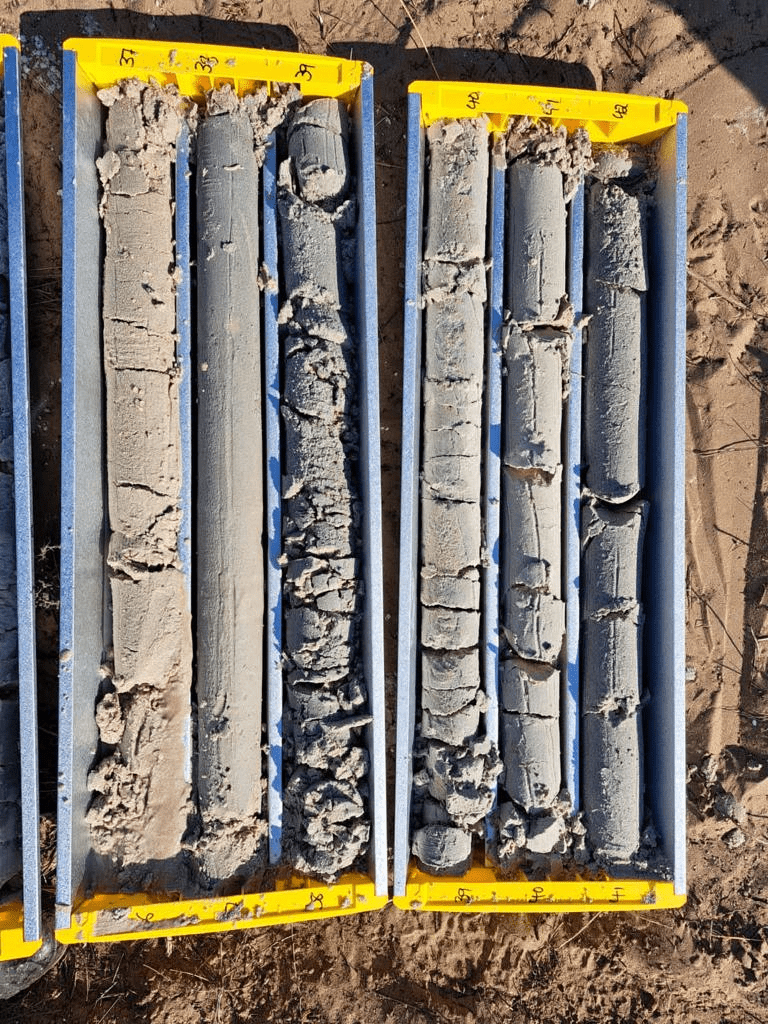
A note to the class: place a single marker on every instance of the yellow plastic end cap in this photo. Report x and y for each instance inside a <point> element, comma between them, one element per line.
<point>608,118</point>
<point>197,68</point>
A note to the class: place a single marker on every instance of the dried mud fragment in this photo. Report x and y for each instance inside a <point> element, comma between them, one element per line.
<point>449,670</point>
<point>458,190</point>
<point>448,629</point>
<point>448,591</point>
<point>453,785</point>
<point>616,237</point>
<point>612,783</point>
<point>455,330</point>
<point>327,826</point>
<point>532,532</point>
<point>534,624</point>
<point>533,399</point>
<point>536,242</point>
<point>451,419</point>
<point>615,353</point>
<point>611,683</point>
<point>612,663</point>
<point>442,849</point>
<point>318,145</point>
<point>450,542</point>
<point>454,729</point>
<point>530,688</point>
<point>310,235</point>
<point>612,547</point>
<point>531,747</point>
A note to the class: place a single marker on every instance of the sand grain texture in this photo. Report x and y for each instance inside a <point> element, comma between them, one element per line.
<point>141,785</point>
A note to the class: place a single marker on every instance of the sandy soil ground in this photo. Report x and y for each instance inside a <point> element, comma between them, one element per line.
<point>707,963</point>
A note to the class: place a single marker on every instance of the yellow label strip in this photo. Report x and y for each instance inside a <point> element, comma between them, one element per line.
<point>114,918</point>
<point>196,69</point>
<point>480,890</point>
<point>608,117</point>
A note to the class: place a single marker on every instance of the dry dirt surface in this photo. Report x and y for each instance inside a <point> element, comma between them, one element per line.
<point>707,963</point>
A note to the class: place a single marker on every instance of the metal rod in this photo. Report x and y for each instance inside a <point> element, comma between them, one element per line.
<point>273,510</point>
<point>570,708</point>
<point>22,462</point>
<point>370,461</point>
<point>407,644</point>
<point>492,468</point>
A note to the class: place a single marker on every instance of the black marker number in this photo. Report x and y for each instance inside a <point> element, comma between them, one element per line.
<point>538,892</point>
<point>204,63</point>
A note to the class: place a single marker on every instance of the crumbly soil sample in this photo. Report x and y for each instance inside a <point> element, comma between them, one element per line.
<point>611,686</point>
<point>318,146</point>
<point>532,609</point>
<point>531,727</point>
<point>443,849</point>
<point>612,784</point>
<point>535,242</point>
<point>534,624</point>
<point>615,349</point>
<point>453,790</point>
<point>544,168</point>
<point>327,822</point>
<point>532,524</point>
<point>454,766</point>
<point>533,398</point>
<point>612,534</point>
<point>457,191</point>
<point>534,141</point>
<point>230,502</point>
<point>141,799</point>
<point>612,542</point>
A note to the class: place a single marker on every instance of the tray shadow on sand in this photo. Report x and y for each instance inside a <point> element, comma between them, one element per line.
<point>56,26</point>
